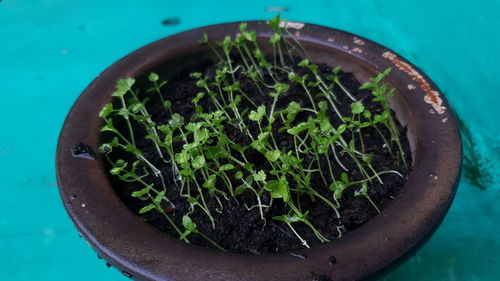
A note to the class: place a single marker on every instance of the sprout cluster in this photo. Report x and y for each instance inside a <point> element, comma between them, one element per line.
<point>207,163</point>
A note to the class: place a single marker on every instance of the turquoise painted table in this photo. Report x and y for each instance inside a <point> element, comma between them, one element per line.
<point>51,49</point>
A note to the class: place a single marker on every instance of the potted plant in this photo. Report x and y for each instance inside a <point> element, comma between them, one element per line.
<point>260,136</point>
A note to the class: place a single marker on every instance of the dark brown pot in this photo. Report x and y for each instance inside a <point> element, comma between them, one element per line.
<point>144,253</point>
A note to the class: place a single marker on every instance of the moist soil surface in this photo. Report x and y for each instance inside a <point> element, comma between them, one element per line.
<point>237,229</point>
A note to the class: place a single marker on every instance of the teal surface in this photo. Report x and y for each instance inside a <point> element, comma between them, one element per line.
<point>51,49</point>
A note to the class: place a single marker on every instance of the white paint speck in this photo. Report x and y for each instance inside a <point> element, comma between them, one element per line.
<point>83,205</point>
<point>357,50</point>
<point>358,41</point>
<point>292,24</point>
<point>411,87</point>
<point>444,120</point>
<point>330,39</point>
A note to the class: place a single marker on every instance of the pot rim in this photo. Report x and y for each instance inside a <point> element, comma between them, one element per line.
<point>142,252</point>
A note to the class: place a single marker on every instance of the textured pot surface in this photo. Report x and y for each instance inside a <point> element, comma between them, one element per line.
<point>144,253</point>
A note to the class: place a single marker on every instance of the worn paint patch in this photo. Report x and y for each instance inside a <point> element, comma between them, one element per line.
<point>431,97</point>
<point>357,50</point>
<point>358,41</point>
<point>292,24</point>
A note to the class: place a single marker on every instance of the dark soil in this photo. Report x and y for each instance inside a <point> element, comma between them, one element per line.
<point>240,230</point>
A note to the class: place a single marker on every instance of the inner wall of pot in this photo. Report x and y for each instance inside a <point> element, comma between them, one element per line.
<point>361,69</point>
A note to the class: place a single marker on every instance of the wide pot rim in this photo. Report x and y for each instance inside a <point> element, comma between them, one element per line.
<point>144,253</point>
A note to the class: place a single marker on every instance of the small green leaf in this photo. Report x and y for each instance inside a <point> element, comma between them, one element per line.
<point>367,114</point>
<point>105,148</point>
<point>275,38</point>
<point>167,104</point>
<point>323,106</point>
<point>123,86</point>
<point>153,77</point>
<point>260,176</point>
<point>336,70</point>
<point>109,126</point>
<point>198,162</point>
<point>283,218</point>
<point>344,178</point>
<point>357,107</point>
<point>240,189</point>
<point>278,189</point>
<point>281,88</point>
<point>176,120</point>
<point>210,183</point>
<point>367,158</point>
<point>298,128</point>
<point>182,157</point>
<point>188,223</point>
<point>243,26</point>
<point>274,23</point>
<point>143,191</point>
<point>341,129</point>
<point>304,62</point>
<point>118,167</point>
<point>226,167</point>
<point>273,155</point>
<point>204,39</point>
<point>198,97</point>
<point>106,110</point>
<point>325,125</point>
<point>257,115</point>
<point>146,209</point>
<point>132,149</point>
<point>159,197</point>
<point>196,75</point>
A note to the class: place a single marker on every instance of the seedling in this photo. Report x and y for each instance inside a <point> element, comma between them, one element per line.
<point>209,167</point>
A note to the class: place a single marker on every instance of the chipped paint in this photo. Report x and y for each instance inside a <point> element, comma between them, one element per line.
<point>330,39</point>
<point>357,50</point>
<point>292,24</point>
<point>411,87</point>
<point>431,97</point>
<point>358,41</point>
<point>345,47</point>
<point>431,111</point>
<point>444,120</point>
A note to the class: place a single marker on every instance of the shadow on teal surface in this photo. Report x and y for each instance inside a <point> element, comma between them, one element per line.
<point>52,49</point>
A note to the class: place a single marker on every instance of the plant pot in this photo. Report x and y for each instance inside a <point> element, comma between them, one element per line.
<point>141,252</point>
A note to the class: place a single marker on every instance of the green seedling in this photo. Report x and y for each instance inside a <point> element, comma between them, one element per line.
<point>210,165</point>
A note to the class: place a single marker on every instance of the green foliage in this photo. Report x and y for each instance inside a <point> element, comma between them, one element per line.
<point>209,164</point>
